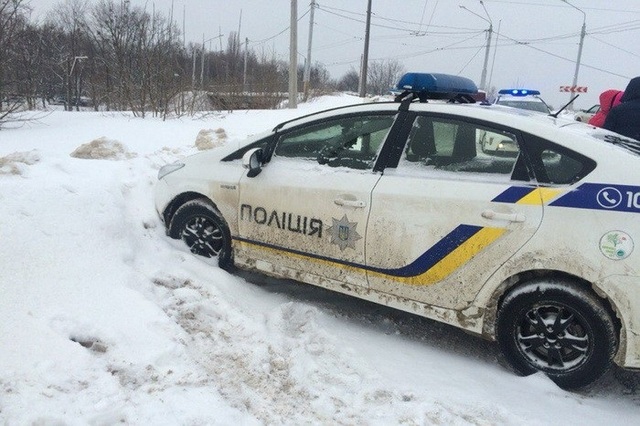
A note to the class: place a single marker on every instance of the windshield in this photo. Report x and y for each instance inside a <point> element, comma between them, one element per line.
<point>627,143</point>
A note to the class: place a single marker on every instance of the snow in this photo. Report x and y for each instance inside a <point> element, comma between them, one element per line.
<point>105,320</point>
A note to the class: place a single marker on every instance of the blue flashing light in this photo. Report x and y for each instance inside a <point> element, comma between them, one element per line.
<point>519,92</point>
<point>434,85</point>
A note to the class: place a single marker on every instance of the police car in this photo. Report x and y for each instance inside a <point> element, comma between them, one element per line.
<point>402,205</point>
<point>524,99</point>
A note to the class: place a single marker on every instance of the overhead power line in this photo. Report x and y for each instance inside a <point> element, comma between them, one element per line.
<point>412,29</point>
<point>280,33</point>
<point>552,3</point>
<point>615,47</point>
<point>563,58</point>
<point>330,11</point>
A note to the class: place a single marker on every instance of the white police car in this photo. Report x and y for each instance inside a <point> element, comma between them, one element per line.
<point>524,99</point>
<point>401,204</point>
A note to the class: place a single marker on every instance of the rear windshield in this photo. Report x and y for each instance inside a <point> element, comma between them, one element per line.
<point>531,106</point>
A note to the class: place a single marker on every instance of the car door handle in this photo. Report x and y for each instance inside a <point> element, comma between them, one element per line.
<point>350,203</point>
<point>511,217</point>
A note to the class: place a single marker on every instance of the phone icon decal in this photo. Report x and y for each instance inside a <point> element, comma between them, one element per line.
<point>609,197</point>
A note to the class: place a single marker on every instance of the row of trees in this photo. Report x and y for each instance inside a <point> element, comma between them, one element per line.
<point>119,57</point>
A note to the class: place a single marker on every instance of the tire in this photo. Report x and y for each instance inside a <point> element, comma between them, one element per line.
<point>201,227</point>
<point>558,328</point>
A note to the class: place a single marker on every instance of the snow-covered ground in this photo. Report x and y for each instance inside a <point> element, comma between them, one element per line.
<point>105,320</point>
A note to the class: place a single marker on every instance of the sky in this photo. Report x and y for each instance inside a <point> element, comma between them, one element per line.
<point>534,44</point>
<point>105,320</point>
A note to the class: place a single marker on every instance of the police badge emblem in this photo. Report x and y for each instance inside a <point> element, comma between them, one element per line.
<point>343,233</point>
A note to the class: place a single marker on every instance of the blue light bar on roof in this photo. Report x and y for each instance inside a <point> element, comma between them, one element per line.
<point>519,92</point>
<point>435,85</point>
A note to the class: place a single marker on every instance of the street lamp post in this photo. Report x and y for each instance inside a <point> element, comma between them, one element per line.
<point>483,77</point>
<point>76,59</point>
<point>69,106</point>
<point>203,52</point>
<point>582,34</point>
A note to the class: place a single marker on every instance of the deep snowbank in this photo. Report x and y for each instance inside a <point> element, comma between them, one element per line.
<point>105,320</point>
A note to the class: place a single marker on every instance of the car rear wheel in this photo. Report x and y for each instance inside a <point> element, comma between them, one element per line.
<point>558,328</point>
<point>201,227</point>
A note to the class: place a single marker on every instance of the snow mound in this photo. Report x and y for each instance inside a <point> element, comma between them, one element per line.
<point>209,138</point>
<point>103,149</point>
<point>14,164</point>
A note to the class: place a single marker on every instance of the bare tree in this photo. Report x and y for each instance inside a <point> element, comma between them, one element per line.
<point>70,56</point>
<point>140,56</point>
<point>382,75</point>
<point>320,79</point>
<point>349,82</point>
<point>161,54</point>
<point>123,57</point>
<point>12,20</point>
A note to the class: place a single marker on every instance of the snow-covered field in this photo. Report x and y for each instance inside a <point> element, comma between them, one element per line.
<point>105,320</point>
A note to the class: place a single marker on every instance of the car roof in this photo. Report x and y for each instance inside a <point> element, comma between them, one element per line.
<point>481,111</point>
<point>375,107</point>
<point>572,133</point>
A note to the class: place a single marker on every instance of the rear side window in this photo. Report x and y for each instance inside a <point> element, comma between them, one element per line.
<point>461,148</point>
<point>554,164</point>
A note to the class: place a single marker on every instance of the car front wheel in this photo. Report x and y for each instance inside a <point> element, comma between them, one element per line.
<point>558,328</point>
<point>201,227</point>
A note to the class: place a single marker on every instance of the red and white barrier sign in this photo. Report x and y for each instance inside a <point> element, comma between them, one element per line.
<point>574,89</point>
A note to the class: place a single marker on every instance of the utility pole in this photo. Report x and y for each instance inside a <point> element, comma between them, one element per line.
<point>583,32</point>
<point>493,61</point>
<point>365,55</point>
<point>202,65</point>
<point>239,28</point>
<point>483,76</point>
<point>193,69</point>
<point>293,56</point>
<point>307,68</point>
<point>244,72</point>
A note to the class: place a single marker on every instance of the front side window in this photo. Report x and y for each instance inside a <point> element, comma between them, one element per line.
<point>345,142</point>
<point>455,146</point>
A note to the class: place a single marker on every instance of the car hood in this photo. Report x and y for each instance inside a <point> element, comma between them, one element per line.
<point>218,153</point>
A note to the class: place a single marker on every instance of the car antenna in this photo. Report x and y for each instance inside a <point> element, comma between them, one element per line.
<point>557,113</point>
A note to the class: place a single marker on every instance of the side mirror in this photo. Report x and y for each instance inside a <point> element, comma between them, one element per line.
<point>252,160</point>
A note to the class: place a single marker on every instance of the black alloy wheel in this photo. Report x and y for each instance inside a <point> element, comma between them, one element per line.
<point>201,227</point>
<point>559,328</point>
